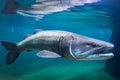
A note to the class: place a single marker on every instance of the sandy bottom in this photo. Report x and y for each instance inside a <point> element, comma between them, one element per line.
<point>55,69</point>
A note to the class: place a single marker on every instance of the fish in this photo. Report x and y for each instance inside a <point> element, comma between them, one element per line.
<point>42,7</point>
<point>59,44</point>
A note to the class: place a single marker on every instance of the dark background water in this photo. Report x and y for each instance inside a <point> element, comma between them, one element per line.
<point>93,20</point>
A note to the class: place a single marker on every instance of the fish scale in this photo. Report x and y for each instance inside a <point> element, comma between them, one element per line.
<point>44,38</point>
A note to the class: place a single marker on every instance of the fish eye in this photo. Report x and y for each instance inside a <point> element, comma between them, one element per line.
<point>90,45</point>
<point>94,45</point>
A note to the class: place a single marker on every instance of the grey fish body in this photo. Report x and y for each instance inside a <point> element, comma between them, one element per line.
<point>56,43</point>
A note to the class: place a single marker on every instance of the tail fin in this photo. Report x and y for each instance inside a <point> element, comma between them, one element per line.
<point>14,52</point>
<point>12,6</point>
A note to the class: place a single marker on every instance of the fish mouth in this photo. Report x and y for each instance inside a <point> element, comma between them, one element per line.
<point>103,53</point>
<point>99,53</point>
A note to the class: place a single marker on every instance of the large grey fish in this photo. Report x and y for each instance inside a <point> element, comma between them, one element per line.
<point>57,43</point>
<point>42,7</point>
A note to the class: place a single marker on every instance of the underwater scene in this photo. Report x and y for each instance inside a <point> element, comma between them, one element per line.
<point>34,30</point>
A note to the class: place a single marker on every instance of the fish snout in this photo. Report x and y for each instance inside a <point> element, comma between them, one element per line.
<point>109,45</point>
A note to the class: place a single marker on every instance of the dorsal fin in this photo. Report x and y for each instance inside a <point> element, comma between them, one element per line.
<point>37,30</point>
<point>26,36</point>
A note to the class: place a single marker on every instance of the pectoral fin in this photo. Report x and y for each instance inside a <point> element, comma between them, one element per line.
<point>48,54</point>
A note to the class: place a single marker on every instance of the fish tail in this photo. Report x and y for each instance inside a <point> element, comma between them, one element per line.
<point>13,51</point>
<point>11,6</point>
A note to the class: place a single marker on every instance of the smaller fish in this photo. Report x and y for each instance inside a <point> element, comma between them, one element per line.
<point>57,43</point>
<point>42,7</point>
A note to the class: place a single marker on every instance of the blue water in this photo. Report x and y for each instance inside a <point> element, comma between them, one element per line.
<point>85,20</point>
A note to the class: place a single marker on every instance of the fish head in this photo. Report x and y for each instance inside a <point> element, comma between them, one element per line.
<point>86,48</point>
